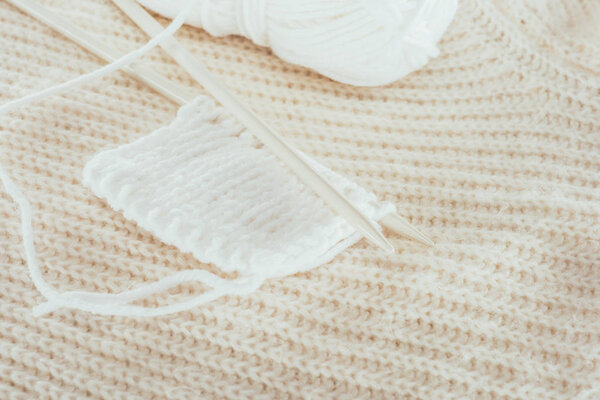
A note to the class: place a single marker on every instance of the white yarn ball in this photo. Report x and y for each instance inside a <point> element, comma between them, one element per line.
<point>360,42</point>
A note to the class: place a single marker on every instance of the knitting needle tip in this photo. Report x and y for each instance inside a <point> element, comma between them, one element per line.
<point>382,242</point>
<point>401,226</point>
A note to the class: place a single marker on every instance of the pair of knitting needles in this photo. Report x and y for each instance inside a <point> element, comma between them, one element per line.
<point>335,200</point>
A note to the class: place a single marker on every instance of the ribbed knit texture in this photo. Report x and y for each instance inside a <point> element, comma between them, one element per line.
<point>491,149</point>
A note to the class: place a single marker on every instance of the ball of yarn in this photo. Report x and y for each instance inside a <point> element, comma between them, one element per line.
<point>359,42</point>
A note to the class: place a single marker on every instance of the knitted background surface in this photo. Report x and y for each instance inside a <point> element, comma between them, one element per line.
<point>491,149</point>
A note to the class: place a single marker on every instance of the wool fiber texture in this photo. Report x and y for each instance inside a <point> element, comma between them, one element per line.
<point>491,149</point>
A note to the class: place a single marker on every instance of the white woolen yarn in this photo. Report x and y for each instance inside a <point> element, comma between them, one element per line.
<point>359,42</point>
<point>207,186</point>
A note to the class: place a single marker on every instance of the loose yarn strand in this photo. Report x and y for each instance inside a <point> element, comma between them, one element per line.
<point>123,61</point>
<point>27,234</point>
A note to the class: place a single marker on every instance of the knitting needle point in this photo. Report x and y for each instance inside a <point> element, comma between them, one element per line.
<point>402,227</point>
<point>162,85</point>
<point>335,200</point>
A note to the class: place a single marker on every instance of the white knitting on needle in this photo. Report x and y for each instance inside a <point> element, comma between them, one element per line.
<point>269,137</point>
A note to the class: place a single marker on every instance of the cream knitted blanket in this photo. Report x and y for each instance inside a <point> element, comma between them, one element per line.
<point>491,149</point>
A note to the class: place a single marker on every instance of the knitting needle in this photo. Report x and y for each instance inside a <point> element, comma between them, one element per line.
<point>165,87</point>
<point>259,128</point>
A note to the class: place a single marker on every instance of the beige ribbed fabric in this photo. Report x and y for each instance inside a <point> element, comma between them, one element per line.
<point>492,149</point>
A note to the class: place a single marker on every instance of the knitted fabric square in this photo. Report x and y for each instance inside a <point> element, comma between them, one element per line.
<point>205,185</point>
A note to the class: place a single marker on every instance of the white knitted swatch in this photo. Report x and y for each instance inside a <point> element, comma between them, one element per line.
<point>207,186</point>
